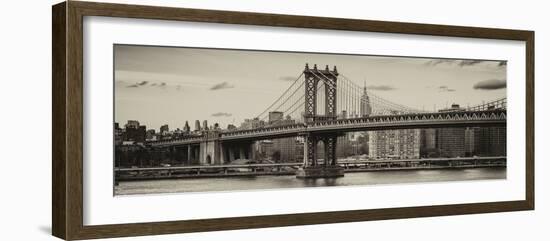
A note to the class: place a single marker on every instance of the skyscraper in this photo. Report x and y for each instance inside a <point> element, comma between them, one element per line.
<point>197,125</point>
<point>366,108</point>
<point>186,128</point>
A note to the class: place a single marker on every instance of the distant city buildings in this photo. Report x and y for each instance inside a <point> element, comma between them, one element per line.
<point>134,132</point>
<point>252,123</point>
<point>131,141</point>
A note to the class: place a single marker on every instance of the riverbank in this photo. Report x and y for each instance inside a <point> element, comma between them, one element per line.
<point>161,174</point>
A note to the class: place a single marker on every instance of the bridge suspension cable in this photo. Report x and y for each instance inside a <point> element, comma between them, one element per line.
<point>269,108</point>
<point>495,104</point>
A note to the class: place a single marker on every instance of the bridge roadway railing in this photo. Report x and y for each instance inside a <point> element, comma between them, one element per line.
<point>424,120</point>
<point>420,120</point>
<point>179,141</point>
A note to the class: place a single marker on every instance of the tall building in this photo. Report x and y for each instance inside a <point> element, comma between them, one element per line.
<point>469,141</point>
<point>205,125</point>
<point>285,146</point>
<point>451,142</point>
<point>164,129</point>
<point>118,134</point>
<point>490,141</point>
<point>150,135</point>
<point>134,132</point>
<point>428,143</point>
<point>197,125</point>
<point>132,124</point>
<point>186,127</point>
<point>428,138</point>
<point>397,144</point>
<point>366,108</point>
<point>275,117</point>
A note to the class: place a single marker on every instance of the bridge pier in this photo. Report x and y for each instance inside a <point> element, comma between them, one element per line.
<point>311,168</point>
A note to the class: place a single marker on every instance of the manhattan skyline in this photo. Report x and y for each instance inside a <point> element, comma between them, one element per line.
<point>171,85</point>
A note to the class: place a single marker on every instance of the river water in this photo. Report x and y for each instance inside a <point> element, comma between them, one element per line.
<point>290,181</point>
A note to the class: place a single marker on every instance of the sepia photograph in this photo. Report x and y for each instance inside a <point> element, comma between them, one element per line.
<point>190,119</point>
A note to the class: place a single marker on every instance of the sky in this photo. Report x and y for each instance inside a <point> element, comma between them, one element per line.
<point>171,85</point>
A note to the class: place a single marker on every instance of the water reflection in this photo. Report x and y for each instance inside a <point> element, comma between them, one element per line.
<point>271,182</point>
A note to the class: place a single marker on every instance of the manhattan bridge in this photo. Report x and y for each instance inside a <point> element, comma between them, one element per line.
<point>325,104</point>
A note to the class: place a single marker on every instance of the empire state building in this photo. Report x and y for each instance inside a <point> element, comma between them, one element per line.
<point>366,108</point>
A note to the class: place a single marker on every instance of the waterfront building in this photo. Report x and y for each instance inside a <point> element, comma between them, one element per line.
<point>451,142</point>
<point>428,138</point>
<point>469,141</point>
<point>490,141</point>
<point>285,146</point>
<point>396,144</point>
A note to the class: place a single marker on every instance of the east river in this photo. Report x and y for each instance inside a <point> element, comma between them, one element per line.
<point>290,181</point>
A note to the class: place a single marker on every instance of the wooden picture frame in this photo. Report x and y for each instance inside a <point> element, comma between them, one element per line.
<point>67,124</point>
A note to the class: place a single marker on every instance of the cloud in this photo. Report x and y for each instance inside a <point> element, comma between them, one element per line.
<point>223,85</point>
<point>469,62</point>
<point>287,78</point>
<point>381,87</point>
<point>490,84</point>
<point>460,63</point>
<point>222,114</point>
<point>142,83</point>
<point>445,88</point>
